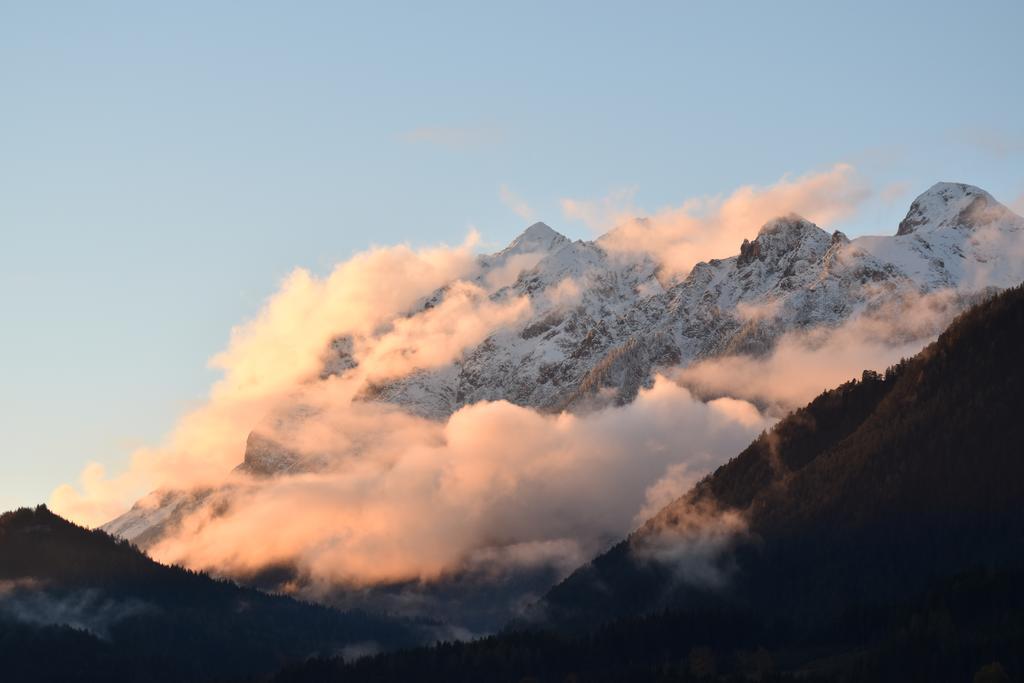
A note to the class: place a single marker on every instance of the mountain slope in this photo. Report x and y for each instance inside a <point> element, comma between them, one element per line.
<point>863,495</point>
<point>883,541</point>
<point>115,614</point>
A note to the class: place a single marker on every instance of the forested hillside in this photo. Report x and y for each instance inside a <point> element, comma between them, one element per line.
<point>79,605</point>
<point>870,492</point>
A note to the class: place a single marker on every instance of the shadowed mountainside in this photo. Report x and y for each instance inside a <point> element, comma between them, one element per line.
<point>79,605</point>
<point>868,492</point>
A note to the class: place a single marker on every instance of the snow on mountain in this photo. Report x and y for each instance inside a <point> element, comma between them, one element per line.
<point>538,238</point>
<point>955,235</point>
<point>621,323</point>
<point>602,322</point>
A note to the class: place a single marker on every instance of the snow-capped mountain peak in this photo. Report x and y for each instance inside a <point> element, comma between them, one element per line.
<point>789,225</point>
<point>539,237</point>
<point>502,268</point>
<point>954,236</point>
<point>783,236</point>
<point>951,205</point>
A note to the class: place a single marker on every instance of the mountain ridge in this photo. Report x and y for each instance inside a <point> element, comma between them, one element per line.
<point>623,321</point>
<point>815,278</point>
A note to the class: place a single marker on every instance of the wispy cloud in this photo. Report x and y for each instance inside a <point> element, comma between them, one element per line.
<point>88,609</point>
<point>453,137</point>
<point>893,192</point>
<point>708,227</point>
<point>999,144</point>
<point>804,362</point>
<point>516,203</point>
<point>1017,205</point>
<point>602,214</point>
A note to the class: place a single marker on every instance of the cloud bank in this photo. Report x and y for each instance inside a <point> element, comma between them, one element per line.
<point>421,499</point>
<point>383,497</point>
<point>703,228</point>
<point>805,362</point>
<point>273,359</point>
<point>88,609</point>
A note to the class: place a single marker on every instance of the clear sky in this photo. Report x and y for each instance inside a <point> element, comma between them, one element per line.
<point>164,165</point>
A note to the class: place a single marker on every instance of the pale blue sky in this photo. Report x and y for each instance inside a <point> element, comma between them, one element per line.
<point>163,165</point>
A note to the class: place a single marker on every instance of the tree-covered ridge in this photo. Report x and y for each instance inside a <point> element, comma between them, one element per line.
<point>967,628</point>
<point>135,619</point>
<point>874,487</point>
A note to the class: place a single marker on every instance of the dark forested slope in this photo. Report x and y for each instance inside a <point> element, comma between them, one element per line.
<point>871,491</point>
<point>79,605</point>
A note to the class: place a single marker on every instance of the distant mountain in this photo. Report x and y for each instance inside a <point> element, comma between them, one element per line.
<point>78,605</point>
<point>877,534</point>
<point>603,322</point>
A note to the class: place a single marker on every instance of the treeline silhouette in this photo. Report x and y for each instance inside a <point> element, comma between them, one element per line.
<point>969,628</point>
<point>139,620</point>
